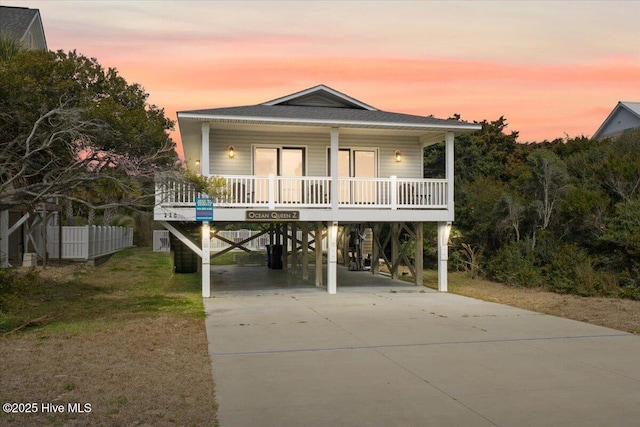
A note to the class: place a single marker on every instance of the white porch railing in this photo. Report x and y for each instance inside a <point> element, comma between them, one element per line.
<point>270,192</point>
<point>274,191</point>
<point>88,242</point>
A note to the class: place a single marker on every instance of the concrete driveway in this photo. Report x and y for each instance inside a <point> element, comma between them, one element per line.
<point>396,355</point>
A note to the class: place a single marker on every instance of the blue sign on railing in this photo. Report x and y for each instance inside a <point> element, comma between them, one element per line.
<point>204,209</point>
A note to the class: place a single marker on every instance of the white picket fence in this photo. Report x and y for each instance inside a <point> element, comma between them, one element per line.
<point>161,241</point>
<point>88,242</point>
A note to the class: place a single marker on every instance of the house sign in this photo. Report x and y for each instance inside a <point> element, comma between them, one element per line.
<point>204,209</point>
<point>272,215</point>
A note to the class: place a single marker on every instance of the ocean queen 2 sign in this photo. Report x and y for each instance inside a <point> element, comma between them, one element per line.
<point>204,209</point>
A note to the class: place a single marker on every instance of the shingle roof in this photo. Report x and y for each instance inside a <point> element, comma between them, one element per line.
<point>317,113</point>
<point>15,21</point>
<point>337,109</point>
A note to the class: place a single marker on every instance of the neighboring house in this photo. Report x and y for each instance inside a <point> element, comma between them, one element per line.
<point>624,117</point>
<point>23,24</point>
<point>322,162</point>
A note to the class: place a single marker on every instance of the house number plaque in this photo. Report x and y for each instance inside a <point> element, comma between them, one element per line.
<point>272,215</point>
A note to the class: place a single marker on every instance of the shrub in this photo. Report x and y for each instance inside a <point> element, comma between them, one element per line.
<point>572,270</point>
<point>560,270</point>
<point>468,259</point>
<point>514,265</point>
<point>589,282</point>
<point>12,288</point>
<point>630,283</point>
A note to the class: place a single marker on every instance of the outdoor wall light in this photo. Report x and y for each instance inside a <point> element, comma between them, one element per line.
<point>398,156</point>
<point>232,152</point>
<point>197,162</point>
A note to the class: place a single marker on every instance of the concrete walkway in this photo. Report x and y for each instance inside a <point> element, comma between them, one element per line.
<point>393,355</point>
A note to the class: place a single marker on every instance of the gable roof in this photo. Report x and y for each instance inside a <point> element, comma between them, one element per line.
<point>323,106</point>
<point>631,107</point>
<point>320,96</point>
<point>17,21</point>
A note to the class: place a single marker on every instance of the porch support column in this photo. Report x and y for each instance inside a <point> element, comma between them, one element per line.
<point>285,246</point>
<point>417,256</point>
<point>305,251</point>
<point>318,246</point>
<point>444,228</point>
<point>4,239</point>
<point>395,249</point>
<point>375,249</point>
<point>332,262</point>
<point>204,150</point>
<point>294,248</point>
<point>344,243</point>
<point>334,168</point>
<point>449,171</point>
<point>206,261</point>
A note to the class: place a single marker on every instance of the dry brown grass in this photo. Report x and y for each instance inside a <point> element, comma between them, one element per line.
<point>138,359</point>
<point>615,313</point>
<point>151,372</point>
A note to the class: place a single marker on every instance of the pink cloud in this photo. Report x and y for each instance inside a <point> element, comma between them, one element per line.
<point>247,74</point>
<point>540,101</point>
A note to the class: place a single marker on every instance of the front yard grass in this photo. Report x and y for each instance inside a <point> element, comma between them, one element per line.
<point>126,337</point>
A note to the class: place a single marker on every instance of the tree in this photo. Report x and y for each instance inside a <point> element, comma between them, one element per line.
<point>582,215</point>
<point>9,47</point>
<point>621,166</point>
<point>612,166</point>
<point>486,152</point>
<point>548,183</point>
<point>622,232</point>
<point>67,123</point>
<point>476,211</point>
<point>512,211</point>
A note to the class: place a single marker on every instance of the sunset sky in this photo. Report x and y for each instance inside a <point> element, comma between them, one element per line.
<point>551,68</point>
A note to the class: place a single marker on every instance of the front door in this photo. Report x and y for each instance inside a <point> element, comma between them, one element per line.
<point>364,166</point>
<point>285,162</point>
<point>357,163</point>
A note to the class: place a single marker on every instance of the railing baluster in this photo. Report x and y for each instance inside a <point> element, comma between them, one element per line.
<point>310,192</point>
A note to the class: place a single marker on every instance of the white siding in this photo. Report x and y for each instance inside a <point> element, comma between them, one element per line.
<point>243,142</point>
<point>316,144</point>
<point>620,122</point>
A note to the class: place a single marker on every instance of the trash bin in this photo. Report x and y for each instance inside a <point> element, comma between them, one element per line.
<point>276,257</point>
<point>269,256</point>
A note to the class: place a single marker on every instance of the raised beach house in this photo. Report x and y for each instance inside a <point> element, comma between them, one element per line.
<point>320,162</point>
